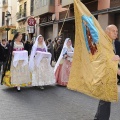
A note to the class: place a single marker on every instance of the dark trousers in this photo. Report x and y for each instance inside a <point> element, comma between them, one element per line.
<point>1,63</point>
<point>118,78</point>
<point>4,64</point>
<point>103,112</point>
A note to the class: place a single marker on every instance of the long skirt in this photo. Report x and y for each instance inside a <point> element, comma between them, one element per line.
<point>43,74</point>
<point>62,73</point>
<point>17,76</point>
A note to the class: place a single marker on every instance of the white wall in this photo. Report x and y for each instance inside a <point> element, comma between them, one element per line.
<point>13,10</point>
<point>0,19</point>
<point>0,13</point>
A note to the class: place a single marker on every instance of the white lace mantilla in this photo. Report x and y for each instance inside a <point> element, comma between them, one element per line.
<point>40,55</point>
<point>20,55</point>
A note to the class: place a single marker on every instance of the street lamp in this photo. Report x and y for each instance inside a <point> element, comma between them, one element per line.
<point>7,18</point>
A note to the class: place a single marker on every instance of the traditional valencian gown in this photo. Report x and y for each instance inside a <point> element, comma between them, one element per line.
<point>43,73</point>
<point>19,71</point>
<point>62,68</point>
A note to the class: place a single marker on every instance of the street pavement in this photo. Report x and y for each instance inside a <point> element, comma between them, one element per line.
<point>53,103</point>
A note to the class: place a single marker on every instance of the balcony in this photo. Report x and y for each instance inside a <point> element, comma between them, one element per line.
<point>5,3</point>
<point>43,7</point>
<point>21,15</point>
<point>67,2</point>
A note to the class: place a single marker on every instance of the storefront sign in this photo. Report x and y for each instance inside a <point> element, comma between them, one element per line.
<point>30,29</point>
<point>22,30</point>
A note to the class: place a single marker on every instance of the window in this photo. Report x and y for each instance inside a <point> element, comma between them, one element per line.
<point>20,9</point>
<point>52,2</point>
<point>25,8</point>
<point>3,18</point>
<point>32,7</point>
<point>59,2</point>
<point>44,2</point>
<point>37,4</point>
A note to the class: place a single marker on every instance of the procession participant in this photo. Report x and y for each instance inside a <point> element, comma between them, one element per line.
<point>16,73</point>
<point>63,65</point>
<point>104,107</point>
<point>39,64</point>
<point>95,67</point>
<point>55,48</point>
<point>116,45</point>
<point>50,49</point>
<point>4,51</point>
<point>58,48</point>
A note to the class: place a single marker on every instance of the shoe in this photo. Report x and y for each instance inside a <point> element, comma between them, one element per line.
<point>18,88</point>
<point>96,119</point>
<point>41,87</point>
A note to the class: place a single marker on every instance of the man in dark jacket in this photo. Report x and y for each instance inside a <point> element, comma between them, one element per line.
<point>58,49</point>
<point>3,53</point>
<point>117,52</point>
<point>104,107</point>
<point>28,46</point>
<point>50,49</point>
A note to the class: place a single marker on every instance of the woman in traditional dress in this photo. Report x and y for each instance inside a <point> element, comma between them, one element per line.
<point>16,73</point>
<point>63,65</point>
<point>39,64</point>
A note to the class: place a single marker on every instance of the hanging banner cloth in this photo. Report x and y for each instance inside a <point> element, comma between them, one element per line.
<point>93,72</point>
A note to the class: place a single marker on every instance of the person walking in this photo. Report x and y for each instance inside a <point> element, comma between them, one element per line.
<point>116,45</point>
<point>58,49</point>
<point>50,49</point>
<point>64,63</point>
<point>4,51</point>
<point>16,72</point>
<point>104,107</point>
<point>39,64</point>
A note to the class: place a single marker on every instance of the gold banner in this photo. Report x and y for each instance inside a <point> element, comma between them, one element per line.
<point>93,72</point>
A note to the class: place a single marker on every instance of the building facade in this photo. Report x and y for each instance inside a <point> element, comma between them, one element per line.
<point>43,12</point>
<point>109,13</point>
<point>24,12</point>
<point>50,15</point>
<point>106,11</point>
<point>47,16</point>
<point>7,6</point>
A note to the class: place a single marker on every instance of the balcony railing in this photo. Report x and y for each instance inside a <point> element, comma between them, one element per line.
<point>5,3</point>
<point>21,15</point>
